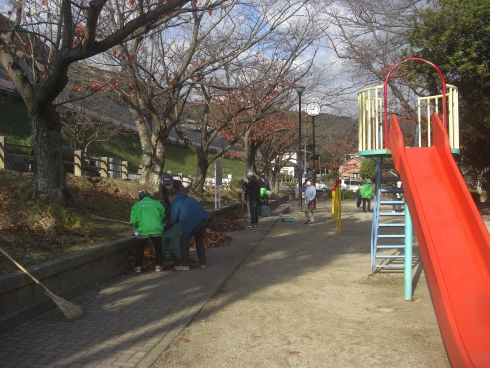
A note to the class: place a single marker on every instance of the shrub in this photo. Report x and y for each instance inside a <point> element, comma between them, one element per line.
<point>235,183</point>
<point>348,194</point>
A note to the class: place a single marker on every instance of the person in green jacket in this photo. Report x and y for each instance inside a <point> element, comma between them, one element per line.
<point>147,216</point>
<point>366,194</point>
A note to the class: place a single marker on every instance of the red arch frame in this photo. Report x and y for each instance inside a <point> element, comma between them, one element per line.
<point>385,95</point>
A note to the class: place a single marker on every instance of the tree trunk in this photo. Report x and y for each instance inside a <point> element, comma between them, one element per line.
<point>49,177</point>
<point>153,162</point>
<point>249,153</point>
<point>199,177</point>
<point>274,184</point>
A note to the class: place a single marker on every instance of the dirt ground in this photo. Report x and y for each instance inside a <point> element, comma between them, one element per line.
<point>305,297</point>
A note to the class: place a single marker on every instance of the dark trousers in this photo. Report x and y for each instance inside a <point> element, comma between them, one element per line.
<point>254,212</point>
<point>198,234</point>
<point>368,200</point>
<point>140,250</point>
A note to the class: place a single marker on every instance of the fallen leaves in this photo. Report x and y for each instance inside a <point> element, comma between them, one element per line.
<point>225,225</point>
<point>214,236</point>
<point>35,231</point>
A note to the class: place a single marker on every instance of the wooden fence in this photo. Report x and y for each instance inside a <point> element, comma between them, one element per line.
<point>76,162</point>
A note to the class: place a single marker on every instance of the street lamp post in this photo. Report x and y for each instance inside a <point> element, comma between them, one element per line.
<point>313,109</point>
<point>314,153</point>
<point>299,91</point>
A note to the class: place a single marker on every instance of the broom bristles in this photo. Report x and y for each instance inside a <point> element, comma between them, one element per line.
<point>69,309</point>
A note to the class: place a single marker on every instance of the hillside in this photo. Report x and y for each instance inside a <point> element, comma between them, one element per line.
<point>16,127</point>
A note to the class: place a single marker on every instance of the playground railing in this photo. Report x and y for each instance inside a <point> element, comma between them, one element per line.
<point>371,129</point>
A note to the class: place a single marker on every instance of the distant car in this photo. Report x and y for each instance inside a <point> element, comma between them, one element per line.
<point>321,186</point>
<point>352,185</point>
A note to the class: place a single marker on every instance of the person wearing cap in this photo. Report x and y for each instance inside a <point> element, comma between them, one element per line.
<point>167,181</point>
<point>310,195</point>
<point>253,186</point>
<point>193,220</point>
<point>147,216</point>
<point>366,194</point>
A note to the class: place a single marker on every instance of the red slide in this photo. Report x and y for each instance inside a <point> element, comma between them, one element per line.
<point>453,241</point>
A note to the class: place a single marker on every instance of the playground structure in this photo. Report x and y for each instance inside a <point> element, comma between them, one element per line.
<point>453,240</point>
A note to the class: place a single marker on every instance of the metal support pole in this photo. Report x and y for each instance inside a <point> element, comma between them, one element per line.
<point>300,171</point>
<point>314,155</point>
<point>408,254</point>
<point>300,91</point>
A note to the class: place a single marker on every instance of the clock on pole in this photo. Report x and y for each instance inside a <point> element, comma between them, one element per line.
<point>313,109</point>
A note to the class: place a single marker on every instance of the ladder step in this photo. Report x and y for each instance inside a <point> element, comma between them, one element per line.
<point>391,202</point>
<point>390,266</point>
<point>391,213</point>
<point>391,236</point>
<point>390,246</point>
<point>390,257</point>
<point>392,225</point>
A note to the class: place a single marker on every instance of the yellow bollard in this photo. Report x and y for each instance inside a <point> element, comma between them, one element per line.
<point>337,206</point>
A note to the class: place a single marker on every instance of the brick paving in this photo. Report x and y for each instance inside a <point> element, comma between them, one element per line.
<point>129,321</point>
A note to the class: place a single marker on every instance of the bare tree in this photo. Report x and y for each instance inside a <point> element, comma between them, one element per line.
<point>83,125</point>
<point>279,139</point>
<point>159,75</point>
<point>40,40</point>
<point>368,36</point>
<point>338,137</point>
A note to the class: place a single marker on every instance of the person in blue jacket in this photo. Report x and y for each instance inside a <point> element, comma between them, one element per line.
<point>193,221</point>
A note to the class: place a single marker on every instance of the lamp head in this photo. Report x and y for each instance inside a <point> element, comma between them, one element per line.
<point>300,89</point>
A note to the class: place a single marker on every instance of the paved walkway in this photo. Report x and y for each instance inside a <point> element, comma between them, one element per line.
<point>132,320</point>
<point>129,321</point>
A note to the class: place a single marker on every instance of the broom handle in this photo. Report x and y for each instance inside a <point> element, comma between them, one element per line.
<point>22,268</point>
<point>106,219</point>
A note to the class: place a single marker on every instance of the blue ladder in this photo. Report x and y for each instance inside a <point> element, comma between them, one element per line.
<point>388,227</point>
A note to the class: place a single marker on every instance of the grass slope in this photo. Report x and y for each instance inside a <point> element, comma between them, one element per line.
<point>15,125</point>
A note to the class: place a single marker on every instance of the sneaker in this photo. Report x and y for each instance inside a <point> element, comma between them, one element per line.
<point>158,268</point>
<point>181,268</point>
<point>137,269</point>
<point>311,223</point>
<point>250,226</point>
<point>255,225</point>
<point>202,266</point>
<point>307,222</point>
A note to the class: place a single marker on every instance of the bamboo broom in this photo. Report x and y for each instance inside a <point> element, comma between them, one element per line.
<point>69,309</point>
<point>95,217</point>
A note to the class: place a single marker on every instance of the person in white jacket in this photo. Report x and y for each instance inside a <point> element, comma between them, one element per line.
<point>310,195</point>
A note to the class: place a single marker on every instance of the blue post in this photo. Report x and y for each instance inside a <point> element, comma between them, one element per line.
<point>408,254</point>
